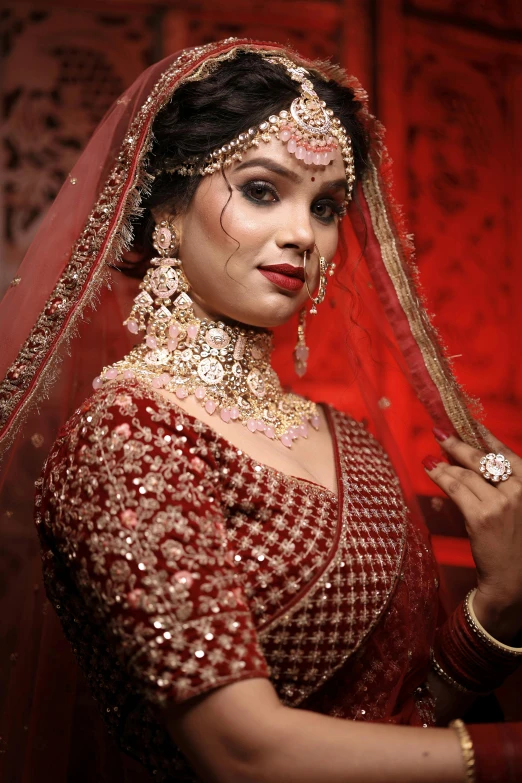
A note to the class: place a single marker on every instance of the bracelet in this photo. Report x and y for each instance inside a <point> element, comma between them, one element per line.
<point>482,633</point>
<point>466,654</point>
<point>437,668</point>
<point>466,746</point>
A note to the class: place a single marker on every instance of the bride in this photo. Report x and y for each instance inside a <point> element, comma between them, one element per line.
<point>244,579</point>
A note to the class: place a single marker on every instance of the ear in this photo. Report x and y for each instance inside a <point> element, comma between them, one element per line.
<point>161,213</point>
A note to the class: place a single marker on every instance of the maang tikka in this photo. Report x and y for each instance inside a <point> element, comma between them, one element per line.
<point>308,129</point>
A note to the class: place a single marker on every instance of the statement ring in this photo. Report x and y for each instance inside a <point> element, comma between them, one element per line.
<point>495,467</point>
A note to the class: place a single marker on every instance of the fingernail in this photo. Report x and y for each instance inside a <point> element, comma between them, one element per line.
<point>441,434</point>
<point>430,462</point>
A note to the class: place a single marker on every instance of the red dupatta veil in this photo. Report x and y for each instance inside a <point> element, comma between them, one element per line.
<point>66,307</point>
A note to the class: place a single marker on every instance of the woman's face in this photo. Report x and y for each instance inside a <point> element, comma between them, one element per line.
<point>276,209</point>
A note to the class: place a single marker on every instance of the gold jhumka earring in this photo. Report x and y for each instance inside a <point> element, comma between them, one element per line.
<point>162,281</point>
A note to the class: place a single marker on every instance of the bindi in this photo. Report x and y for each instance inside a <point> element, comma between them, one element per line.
<point>313,179</point>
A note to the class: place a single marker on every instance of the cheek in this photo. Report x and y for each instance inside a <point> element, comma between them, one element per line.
<point>243,223</point>
<point>207,212</point>
<point>332,240</point>
<point>220,220</point>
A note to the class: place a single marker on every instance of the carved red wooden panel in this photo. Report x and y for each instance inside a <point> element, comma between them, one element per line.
<point>62,70</point>
<point>313,28</point>
<point>461,131</point>
<point>499,13</point>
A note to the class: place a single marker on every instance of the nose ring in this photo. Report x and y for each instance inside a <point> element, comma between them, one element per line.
<point>323,267</point>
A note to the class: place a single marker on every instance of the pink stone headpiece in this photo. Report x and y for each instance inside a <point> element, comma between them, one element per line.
<point>308,129</point>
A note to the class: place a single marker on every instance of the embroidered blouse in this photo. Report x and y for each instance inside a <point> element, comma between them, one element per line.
<point>178,564</point>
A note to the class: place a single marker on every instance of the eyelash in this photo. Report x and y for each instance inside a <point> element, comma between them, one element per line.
<point>248,187</point>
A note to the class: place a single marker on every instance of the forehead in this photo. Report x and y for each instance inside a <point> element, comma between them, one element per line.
<point>276,152</point>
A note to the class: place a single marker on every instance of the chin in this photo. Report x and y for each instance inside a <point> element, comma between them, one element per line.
<point>281,311</point>
<point>271,316</point>
<point>265,312</point>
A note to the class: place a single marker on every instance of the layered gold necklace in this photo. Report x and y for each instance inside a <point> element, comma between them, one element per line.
<point>225,367</point>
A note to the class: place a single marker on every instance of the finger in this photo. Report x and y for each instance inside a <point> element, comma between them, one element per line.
<point>475,482</point>
<point>512,488</point>
<point>483,490</point>
<point>450,481</point>
<point>462,453</point>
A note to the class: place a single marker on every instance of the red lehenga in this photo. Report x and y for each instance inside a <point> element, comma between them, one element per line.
<point>178,564</point>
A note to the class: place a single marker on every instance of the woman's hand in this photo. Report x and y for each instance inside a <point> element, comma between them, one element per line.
<point>493,515</point>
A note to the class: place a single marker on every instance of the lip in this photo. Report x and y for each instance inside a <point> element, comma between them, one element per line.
<point>285,269</point>
<point>287,282</point>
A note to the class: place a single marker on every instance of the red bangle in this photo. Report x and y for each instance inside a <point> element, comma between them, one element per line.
<point>466,655</point>
<point>497,750</point>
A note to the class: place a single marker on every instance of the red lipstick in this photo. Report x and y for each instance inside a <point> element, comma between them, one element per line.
<point>286,276</point>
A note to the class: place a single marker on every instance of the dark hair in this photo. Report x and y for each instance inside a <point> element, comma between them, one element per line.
<point>209,113</point>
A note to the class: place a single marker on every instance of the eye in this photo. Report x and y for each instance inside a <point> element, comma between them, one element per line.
<point>261,192</point>
<point>326,209</point>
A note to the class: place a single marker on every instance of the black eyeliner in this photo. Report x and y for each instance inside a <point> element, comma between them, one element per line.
<point>262,184</point>
<point>267,186</point>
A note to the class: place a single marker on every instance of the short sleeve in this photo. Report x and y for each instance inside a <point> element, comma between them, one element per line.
<point>132,506</point>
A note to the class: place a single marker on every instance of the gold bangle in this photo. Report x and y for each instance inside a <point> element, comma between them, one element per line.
<point>437,668</point>
<point>490,641</point>
<point>466,745</point>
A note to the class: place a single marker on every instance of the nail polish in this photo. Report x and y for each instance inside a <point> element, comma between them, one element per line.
<point>441,434</point>
<point>430,462</point>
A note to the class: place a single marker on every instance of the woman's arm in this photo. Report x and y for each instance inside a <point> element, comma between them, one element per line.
<point>241,733</point>
<point>493,517</point>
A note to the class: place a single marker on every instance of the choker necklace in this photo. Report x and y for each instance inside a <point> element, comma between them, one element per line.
<point>226,368</point>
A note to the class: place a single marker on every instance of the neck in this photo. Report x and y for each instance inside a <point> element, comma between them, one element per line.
<point>204,316</point>
<point>203,312</point>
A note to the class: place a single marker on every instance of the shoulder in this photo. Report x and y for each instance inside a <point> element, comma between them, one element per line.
<point>129,407</point>
<point>121,459</point>
<point>131,401</point>
<point>124,424</point>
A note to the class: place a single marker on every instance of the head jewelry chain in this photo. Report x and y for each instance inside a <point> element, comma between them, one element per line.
<point>308,129</point>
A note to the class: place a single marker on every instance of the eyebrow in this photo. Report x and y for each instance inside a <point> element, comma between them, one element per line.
<point>269,164</point>
<point>277,168</point>
<point>335,185</point>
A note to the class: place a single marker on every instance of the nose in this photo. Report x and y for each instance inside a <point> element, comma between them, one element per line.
<point>296,234</point>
